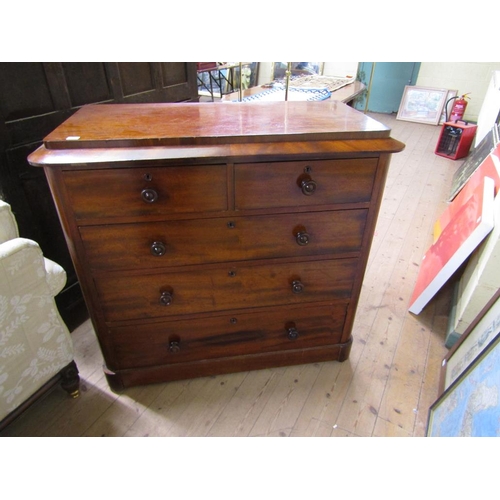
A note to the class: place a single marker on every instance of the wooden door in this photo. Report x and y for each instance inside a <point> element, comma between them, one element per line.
<point>37,97</point>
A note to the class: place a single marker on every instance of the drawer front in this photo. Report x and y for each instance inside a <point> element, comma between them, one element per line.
<point>143,192</point>
<point>303,183</point>
<point>224,288</point>
<point>177,243</point>
<point>231,335</point>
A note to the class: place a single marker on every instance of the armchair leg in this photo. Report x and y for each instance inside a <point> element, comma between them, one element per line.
<point>70,380</point>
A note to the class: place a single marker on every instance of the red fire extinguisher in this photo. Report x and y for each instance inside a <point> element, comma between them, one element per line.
<point>458,109</point>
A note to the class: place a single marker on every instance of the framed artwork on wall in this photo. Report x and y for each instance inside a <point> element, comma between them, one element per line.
<point>422,104</point>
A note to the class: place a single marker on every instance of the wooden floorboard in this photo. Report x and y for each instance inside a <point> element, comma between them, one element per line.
<point>384,389</point>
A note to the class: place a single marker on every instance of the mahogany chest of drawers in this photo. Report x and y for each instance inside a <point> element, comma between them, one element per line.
<point>218,237</point>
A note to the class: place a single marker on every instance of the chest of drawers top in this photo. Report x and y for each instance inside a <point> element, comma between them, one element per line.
<point>103,133</point>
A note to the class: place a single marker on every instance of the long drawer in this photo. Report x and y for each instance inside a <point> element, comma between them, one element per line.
<point>303,183</point>
<point>130,296</point>
<point>229,335</point>
<point>186,242</point>
<point>147,191</point>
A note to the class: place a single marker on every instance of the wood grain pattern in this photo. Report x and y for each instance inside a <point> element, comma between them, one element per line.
<point>118,192</point>
<point>224,288</point>
<point>336,181</point>
<point>132,125</point>
<point>230,334</point>
<point>224,239</point>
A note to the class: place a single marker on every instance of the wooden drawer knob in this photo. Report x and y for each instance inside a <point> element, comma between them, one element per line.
<point>297,286</point>
<point>292,333</point>
<point>149,195</point>
<point>166,298</point>
<point>302,238</point>
<point>174,346</point>
<point>308,186</point>
<point>158,249</point>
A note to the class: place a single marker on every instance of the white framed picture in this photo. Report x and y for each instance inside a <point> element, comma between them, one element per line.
<point>422,104</point>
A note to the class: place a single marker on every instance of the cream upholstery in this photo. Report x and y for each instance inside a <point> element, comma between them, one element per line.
<point>35,344</point>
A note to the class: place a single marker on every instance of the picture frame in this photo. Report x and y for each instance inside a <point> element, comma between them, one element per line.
<point>471,343</point>
<point>470,406</point>
<point>422,104</point>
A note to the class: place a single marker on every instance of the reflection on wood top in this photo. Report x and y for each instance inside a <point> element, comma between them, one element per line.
<point>195,124</point>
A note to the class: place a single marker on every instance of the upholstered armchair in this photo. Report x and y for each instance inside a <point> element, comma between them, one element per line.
<point>36,350</point>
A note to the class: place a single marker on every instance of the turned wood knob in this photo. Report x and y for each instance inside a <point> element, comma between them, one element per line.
<point>174,346</point>
<point>308,186</point>
<point>166,298</point>
<point>158,248</point>
<point>297,286</point>
<point>149,195</point>
<point>292,333</point>
<point>302,238</point>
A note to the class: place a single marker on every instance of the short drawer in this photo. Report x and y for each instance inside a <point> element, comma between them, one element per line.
<point>146,192</point>
<point>125,297</point>
<point>304,183</point>
<point>184,242</point>
<point>229,335</point>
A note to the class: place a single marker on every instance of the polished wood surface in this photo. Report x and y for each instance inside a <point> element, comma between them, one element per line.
<point>235,286</point>
<point>223,239</point>
<point>131,125</point>
<point>261,211</point>
<point>216,337</point>
<point>98,158</point>
<point>119,192</point>
<point>336,182</point>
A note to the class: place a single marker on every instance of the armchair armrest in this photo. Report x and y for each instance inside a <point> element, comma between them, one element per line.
<point>8,224</point>
<point>23,268</point>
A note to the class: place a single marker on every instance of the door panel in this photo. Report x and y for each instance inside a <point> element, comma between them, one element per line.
<point>385,82</point>
<point>15,80</point>
<point>136,78</point>
<point>87,83</point>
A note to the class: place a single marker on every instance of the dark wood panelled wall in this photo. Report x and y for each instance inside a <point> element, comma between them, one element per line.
<point>36,97</point>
